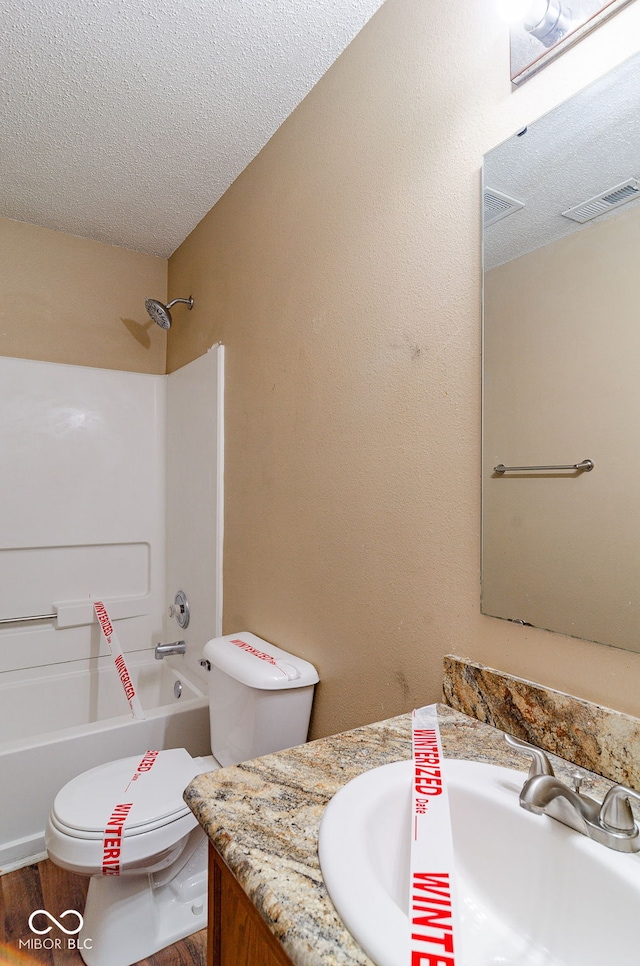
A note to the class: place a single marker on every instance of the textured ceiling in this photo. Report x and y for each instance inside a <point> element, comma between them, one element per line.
<point>126,120</point>
<point>583,147</point>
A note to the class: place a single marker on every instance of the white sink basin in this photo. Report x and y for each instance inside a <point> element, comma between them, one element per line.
<point>531,891</point>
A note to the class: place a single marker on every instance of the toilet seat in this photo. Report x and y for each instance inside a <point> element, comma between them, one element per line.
<point>156,825</point>
<point>154,788</point>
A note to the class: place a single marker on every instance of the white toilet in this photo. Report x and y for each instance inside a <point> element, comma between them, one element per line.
<point>126,824</point>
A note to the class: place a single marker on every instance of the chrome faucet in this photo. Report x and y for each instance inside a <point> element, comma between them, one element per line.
<point>612,823</point>
<point>163,650</point>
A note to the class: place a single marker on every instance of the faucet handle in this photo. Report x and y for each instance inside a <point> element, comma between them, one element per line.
<point>616,814</point>
<point>540,764</point>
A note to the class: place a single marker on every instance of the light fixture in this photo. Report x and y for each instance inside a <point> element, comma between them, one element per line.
<point>542,30</point>
<point>546,20</point>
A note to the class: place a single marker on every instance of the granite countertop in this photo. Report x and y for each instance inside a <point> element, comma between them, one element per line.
<point>263,817</point>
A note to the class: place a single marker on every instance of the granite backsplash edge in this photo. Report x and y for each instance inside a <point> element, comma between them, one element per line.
<point>600,739</point>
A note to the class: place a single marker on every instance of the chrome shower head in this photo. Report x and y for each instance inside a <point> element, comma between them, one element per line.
<point>160,313</point>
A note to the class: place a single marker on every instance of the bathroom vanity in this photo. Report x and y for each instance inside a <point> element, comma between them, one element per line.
<point>262,819</point>
<point>268,900</point>
<point>237,936</point>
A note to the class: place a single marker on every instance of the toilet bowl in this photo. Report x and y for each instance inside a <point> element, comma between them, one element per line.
<point>125,824</point>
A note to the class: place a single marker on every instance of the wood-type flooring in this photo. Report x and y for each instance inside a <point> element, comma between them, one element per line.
<point>45,886</point>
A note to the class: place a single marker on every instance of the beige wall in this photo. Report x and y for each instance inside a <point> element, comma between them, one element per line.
<point>72,300</point>
<point>342,272</point>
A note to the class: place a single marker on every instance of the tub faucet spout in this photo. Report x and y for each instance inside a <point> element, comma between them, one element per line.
<point>163,650</point>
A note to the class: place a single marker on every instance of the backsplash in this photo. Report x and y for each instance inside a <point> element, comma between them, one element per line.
<point>600,739</point>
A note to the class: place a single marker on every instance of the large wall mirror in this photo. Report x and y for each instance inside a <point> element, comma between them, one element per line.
<point>561,540</point>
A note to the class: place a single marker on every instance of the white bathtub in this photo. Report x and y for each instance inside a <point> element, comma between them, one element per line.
<point>56,724</point>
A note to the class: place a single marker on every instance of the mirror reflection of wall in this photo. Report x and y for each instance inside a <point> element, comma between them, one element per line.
<point>561,550</point>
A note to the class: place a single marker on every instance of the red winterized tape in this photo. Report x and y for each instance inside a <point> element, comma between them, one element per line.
<point>114,831</point>
<point>254,651</point>
<point>435,932</point>
<point>115,649</point>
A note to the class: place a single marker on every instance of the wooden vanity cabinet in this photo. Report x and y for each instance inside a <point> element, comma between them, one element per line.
<point>237,934</point>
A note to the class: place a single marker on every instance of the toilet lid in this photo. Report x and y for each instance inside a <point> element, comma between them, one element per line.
<point>151,784</point>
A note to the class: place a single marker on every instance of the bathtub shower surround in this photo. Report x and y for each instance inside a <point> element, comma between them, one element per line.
<point>601,739</point>
<point>81,517</point>
<point>84,516</point>
<point>195,470</point>
<point>81,509</point>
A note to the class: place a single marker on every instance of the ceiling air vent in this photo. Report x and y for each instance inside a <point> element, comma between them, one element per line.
<point>498,205</point>
<point>607,201</point>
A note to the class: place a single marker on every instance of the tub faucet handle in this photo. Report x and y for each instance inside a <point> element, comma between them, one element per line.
<point>540,764</point>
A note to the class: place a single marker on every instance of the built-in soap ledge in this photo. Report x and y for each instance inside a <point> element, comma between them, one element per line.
<point>78,613</point>
<point>75,613</point>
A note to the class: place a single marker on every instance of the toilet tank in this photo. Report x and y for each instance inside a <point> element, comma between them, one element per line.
<point>260,697</point>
